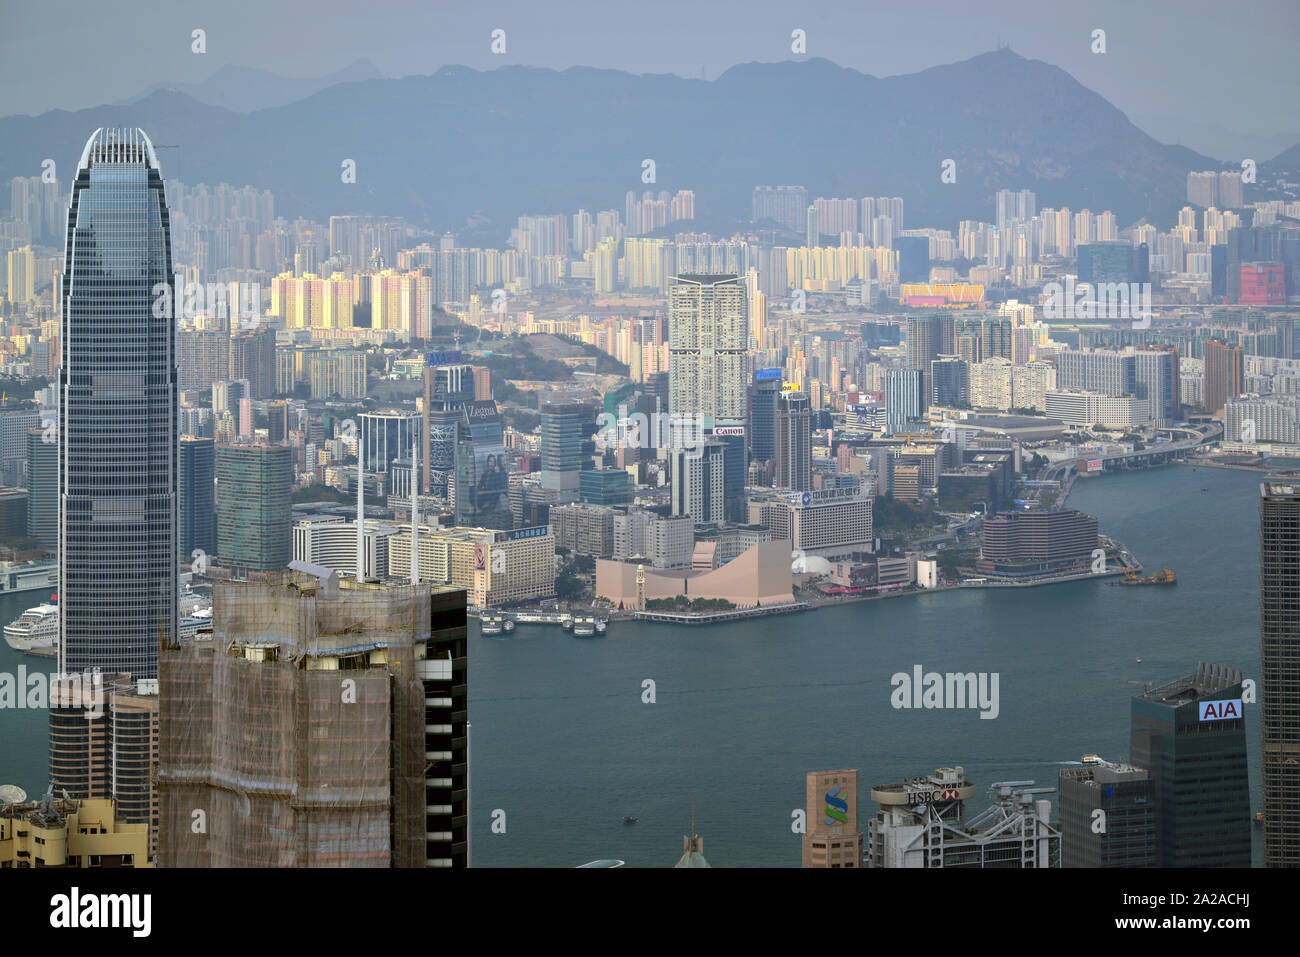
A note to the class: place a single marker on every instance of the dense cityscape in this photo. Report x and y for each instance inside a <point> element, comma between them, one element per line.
<point>340,534</point>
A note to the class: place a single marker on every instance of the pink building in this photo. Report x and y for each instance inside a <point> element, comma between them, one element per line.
<point>759,576</point>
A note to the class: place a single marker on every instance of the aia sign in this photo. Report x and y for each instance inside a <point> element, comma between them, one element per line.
<point>1223,710</point>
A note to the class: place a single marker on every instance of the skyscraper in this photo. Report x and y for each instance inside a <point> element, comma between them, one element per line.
<point>922,342</point>
<point>482,469</point>
<point>252,357</point>
<point>1108,815</point>
<point>253,509</point>
<point>198,504</point>
<point>793,442</point>
<point>1155,374</point>
<point>708,334</point>
<point>762,414</point>
<point>117,414</point>
<point>563,426</point>
<point>903,398</point>
<point>1279,569</point>
<point>1224,373</point>
<point>1191,736</point>
<point>42,489</point>
<point>949,381</point>
<point>698,483</point>
<point>448,385</point>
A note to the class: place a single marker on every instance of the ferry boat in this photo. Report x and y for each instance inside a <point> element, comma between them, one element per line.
<point>35,632</point>
<point>584,626</point>
<point>492,624</point>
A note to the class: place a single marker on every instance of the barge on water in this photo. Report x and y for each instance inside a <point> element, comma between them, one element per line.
<point>1163,577</point>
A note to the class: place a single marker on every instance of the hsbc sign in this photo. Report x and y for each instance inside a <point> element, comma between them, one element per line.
<point>936,796</point>
<point>1224,710</point>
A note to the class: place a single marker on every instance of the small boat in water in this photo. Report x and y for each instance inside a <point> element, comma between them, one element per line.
<point>508,625</point>
<point>629,820</point>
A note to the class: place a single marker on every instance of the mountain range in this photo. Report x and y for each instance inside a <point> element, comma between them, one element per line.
<point>491,145</point>
<point>245,89</point>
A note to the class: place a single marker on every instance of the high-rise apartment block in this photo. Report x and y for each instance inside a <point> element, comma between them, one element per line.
<point>1224,374</point>
<point>707,339</point>
<point>698,487</point>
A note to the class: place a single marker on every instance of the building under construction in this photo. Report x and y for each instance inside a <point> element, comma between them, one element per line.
<point>322,725</point>
<point>922,823</point>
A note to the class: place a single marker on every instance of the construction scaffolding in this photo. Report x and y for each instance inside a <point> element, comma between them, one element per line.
<point>295,737</point>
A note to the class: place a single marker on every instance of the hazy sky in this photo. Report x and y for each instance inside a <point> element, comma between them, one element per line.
<point>1210,71</point>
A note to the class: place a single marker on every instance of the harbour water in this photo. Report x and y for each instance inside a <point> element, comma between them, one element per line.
<point>565,746</point>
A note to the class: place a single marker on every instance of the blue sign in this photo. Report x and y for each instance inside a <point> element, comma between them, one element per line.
<point>765,375</point>
<point>450,358</point>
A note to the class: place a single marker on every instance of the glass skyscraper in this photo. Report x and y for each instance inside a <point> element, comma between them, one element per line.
<point>1279,687</point>
<point>117,414</point>
<point>1190,734</point>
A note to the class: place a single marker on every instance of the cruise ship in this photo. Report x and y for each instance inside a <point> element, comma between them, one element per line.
<point>198,622</point>
<point>36,632</point>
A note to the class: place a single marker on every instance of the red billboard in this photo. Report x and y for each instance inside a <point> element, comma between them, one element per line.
<point>1262,284</point>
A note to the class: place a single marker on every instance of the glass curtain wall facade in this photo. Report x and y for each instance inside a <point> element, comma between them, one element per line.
<point>117,414</point>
